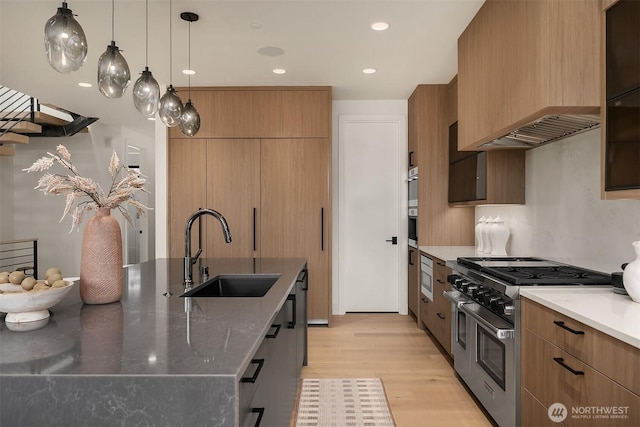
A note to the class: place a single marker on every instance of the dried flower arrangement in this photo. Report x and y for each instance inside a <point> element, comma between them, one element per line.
<point>75,187</point>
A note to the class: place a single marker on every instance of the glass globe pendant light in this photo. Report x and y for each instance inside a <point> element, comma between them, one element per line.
<point>64,41</point>
<point>170,103</point>
<point>146,90</point>
<point>113,70</point>
<point>190,119</point>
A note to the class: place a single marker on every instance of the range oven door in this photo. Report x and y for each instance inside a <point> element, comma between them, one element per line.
<point>492,367</point>
<point>461,334</point>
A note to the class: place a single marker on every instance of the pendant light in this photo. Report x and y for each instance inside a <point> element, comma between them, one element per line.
<point>146,91</point>
<point>190,119</point>
<point>113,70</point>
<point>64,41</point>
<point>170,103</point>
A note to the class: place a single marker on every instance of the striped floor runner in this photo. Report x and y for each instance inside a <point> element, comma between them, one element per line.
<point>343,402</point>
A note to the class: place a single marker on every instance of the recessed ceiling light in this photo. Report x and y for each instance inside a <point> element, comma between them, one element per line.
<point>279,71</point>
<point>188,72</point>
<point>82,84</point>
<point>379,26</point>
<point>151,118</point>
<point>369,70</point>
<point>255,25</point>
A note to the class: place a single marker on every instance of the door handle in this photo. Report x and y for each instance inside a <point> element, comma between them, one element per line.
<point>394,240</point>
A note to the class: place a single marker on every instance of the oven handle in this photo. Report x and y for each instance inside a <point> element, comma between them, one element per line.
<point>457,298</point>
<point>501,334</point>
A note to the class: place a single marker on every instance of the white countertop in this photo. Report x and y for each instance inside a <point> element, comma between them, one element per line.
<point>448,253</point>
<point>598,307</point>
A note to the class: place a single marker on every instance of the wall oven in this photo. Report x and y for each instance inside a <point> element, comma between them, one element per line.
<point>413,227</point>
<point>413,187</point>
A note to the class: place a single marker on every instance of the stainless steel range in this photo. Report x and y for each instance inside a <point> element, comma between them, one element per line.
<point>485,334</point>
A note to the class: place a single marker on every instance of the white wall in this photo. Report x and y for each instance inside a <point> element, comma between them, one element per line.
<point>563,217</point>
<point>361,108</point>
<point>32,214</point>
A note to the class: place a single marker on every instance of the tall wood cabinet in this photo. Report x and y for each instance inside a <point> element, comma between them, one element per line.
<point>266,166</point>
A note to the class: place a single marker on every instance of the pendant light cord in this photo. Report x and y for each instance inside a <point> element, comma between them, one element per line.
<point>189,60</point>
<point>146,44</point>
<point>170,48</point>
<point>113,25</point>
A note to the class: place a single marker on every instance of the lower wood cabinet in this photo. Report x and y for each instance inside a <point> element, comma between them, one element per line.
<point>561,365</point>
<point>436,314</point>
<point>413,281</point>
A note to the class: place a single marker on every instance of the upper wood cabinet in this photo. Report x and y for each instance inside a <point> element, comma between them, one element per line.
<point>412,129</point>
<point>482,177</point>
<point>620,153</point>
<point>519,60</point>
<point>438,223</point>
<point>260,112</point>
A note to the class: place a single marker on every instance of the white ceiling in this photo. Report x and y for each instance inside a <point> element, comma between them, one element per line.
<point>326,43</point>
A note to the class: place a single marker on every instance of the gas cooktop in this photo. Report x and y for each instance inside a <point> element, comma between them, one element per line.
<point>534,271</point>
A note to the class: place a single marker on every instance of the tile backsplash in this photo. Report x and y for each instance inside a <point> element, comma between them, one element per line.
<point>563,217</point>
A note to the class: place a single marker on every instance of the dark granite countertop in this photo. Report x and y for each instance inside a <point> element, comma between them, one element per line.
<point>151,332</point>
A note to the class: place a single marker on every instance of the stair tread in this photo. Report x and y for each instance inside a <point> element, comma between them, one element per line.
<point>22,127</point>
<point>13,138</point>
<point>39,117</point>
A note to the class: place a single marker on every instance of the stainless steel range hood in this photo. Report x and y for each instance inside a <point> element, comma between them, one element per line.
<point>549,128</point>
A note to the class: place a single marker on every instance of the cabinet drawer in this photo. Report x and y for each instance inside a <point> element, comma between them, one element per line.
<point>554,376</point>
<point>612,357</point>
<point>533,413</point>
<point>438,320</point>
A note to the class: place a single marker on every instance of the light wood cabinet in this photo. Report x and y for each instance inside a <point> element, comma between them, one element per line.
<point>413,281</point>
<point>260,112</point>
<point>296,211</point>
<point>565,361</point>
<point>273,191</point>
<point>438,223</point>
<point>519,60</point>
<point>436,314</point>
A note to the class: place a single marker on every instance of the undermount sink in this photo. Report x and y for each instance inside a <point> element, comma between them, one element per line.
<point>234,286</point>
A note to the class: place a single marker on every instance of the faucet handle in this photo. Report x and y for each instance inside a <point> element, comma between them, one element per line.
<point>195,258</point>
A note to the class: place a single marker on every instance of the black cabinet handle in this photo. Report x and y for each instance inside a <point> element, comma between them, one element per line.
<point>565,327</point>
<point>440,315</point>
<point>292,323</point>
<point>275,333</point>
<point>322,229</point>
<point>411,257</point>
<point>302,276</point>
<point>254,228</point>
<point>440,281</point>
<point>410,158</point>
<point>260,412</point>
<point>260,363</point>
<point>425,300</point>
<point>560,361</point>
<point>441,264</point>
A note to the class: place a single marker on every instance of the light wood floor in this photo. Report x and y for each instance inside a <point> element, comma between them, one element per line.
<point>419,381</point>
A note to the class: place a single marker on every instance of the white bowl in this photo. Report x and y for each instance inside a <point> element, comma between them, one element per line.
<point>23,307</point>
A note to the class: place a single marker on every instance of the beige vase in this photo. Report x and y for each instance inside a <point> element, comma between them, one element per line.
<point>101,270</point>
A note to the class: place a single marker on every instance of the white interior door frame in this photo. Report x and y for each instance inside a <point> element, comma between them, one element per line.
<point>401,122</point>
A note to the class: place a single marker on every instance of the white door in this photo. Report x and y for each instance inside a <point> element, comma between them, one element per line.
<point>369,212</point>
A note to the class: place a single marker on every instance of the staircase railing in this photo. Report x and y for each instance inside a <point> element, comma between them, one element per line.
<point>15,107</point>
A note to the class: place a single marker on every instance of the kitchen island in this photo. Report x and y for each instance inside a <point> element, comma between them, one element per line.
<point>153,358</point>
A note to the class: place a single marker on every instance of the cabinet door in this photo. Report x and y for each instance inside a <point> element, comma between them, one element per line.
<point>413,279</point>
<point>187,190</point>
<point>296,212</point>
<point>233,189</point>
